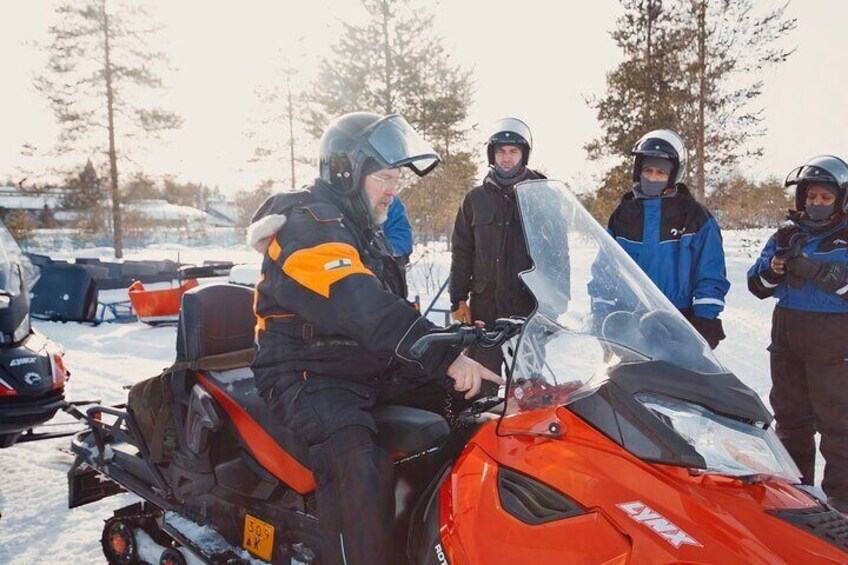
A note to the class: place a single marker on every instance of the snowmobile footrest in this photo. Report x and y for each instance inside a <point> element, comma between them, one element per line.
<point>85,485</point>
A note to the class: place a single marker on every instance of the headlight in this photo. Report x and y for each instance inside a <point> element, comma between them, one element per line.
<point>728,446</point>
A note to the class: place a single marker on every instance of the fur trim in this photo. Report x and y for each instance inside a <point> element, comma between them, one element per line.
<point>260,232</point>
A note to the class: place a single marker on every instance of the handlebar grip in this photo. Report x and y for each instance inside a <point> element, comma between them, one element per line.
<point>421,346</point>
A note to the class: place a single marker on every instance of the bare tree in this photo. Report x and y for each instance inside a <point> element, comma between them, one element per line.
<point>98,59</point>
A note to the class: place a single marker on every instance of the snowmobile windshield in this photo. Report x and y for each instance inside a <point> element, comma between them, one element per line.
<point>596,309</point>
<point>17,272</point>
<point>396,144</point>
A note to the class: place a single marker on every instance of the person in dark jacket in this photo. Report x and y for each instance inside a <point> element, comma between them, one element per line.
<point>488,249</point>
<point>671,236</point>
<point>805,266</point>
<point>334,331</point>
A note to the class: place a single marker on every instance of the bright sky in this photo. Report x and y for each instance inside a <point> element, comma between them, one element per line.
<point>534,59</point>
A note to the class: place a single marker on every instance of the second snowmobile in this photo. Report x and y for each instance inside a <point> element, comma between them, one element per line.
<point>620,439</point>
<point>32,371</point>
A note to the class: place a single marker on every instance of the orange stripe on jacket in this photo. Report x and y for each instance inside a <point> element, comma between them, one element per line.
<point>317,268</point>
<point>274,249</point>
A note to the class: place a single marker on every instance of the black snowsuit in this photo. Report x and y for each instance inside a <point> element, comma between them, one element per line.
<point>488,253</point>
<point>333,338</point>
<point>809,359</point>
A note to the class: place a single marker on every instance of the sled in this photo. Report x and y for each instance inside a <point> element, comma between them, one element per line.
<point>158,305</point>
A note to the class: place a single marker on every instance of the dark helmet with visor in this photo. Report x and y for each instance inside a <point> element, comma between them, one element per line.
<point>510,131</point>
<point>824,169</point>
<point>359,142</point>
<point>664,144</point>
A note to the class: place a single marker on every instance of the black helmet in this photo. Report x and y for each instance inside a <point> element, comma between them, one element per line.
<point>510,131</point>
<point>824,169</point>
<point>354,139</point>
<point>665,144</point>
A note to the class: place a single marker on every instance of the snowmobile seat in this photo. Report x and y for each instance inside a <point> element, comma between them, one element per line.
<point>212,324</point>
<point>215,319</point>
<point>401,430</point>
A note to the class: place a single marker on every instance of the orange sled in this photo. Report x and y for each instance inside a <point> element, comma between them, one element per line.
<point>158,305</point>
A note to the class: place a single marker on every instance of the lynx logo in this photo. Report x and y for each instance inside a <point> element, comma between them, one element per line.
<point>440,554</point>
<point>22,361</point>
<point>32,379</point>
<point>643,514</point>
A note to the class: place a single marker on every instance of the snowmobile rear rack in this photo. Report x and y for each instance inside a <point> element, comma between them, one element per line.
<point>125,468</point>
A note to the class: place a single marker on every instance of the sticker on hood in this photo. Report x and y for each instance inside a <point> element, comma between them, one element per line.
<point>644,514</point>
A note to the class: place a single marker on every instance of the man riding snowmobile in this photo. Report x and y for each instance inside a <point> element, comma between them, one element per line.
<point>334,329</point>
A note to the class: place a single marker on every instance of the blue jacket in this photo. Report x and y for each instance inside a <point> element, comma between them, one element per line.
<point>397,228</point>
<point>677,242</point>
<point>826,247</point>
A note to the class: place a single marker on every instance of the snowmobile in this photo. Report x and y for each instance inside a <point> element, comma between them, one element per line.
<point>32,371</point>
<point>619,438</point>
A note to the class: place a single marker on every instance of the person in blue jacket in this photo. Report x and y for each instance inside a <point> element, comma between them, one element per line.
<point>805,266</point>
<point>671,236</point>
<point>398,231</point>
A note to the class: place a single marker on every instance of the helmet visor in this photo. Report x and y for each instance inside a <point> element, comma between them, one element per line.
<point>824,168</point>
<point>506,128</point>
<point>396,144</point>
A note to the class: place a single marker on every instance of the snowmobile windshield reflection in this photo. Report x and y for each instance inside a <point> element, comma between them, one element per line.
<point>596,308</point>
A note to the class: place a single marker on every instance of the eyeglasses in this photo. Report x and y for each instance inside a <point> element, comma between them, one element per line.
<point>387,183</point>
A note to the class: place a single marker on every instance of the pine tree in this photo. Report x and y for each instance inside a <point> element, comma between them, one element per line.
<point>394,63</point>
<point>85,197</point>
<point>731,40</point>
<point>98,54</point>
<point>692,66</point>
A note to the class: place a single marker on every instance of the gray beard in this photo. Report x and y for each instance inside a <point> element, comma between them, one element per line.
<point>379,218</point>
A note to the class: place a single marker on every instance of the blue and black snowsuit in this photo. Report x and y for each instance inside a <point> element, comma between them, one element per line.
<point>677,243</point>
<point>809,353</point>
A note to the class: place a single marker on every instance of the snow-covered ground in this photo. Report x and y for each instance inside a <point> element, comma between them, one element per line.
<point>36,526</point>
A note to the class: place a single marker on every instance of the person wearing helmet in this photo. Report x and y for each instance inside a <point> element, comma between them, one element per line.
<point>672,236</point>
<point>488,250</point>
<point>334,330</point>
<point>805,266</point>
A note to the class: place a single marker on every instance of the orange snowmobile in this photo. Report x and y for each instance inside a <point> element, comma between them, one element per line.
<point>619,439</point>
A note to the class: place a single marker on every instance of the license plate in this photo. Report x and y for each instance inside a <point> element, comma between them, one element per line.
<point>258,537</point>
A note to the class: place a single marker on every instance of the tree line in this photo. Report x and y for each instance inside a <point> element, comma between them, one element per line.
<point>693,66</point>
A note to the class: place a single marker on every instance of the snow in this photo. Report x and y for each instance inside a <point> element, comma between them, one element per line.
<point>36,525</point>
<point>11,198</point>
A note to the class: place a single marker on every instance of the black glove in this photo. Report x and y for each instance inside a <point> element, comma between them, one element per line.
<point>771,276</point>
<point>711,329</point>
<point>790,243</point>
<point>829,277</point>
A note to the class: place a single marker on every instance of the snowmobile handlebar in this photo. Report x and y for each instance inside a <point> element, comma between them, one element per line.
<point>458,335</point>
